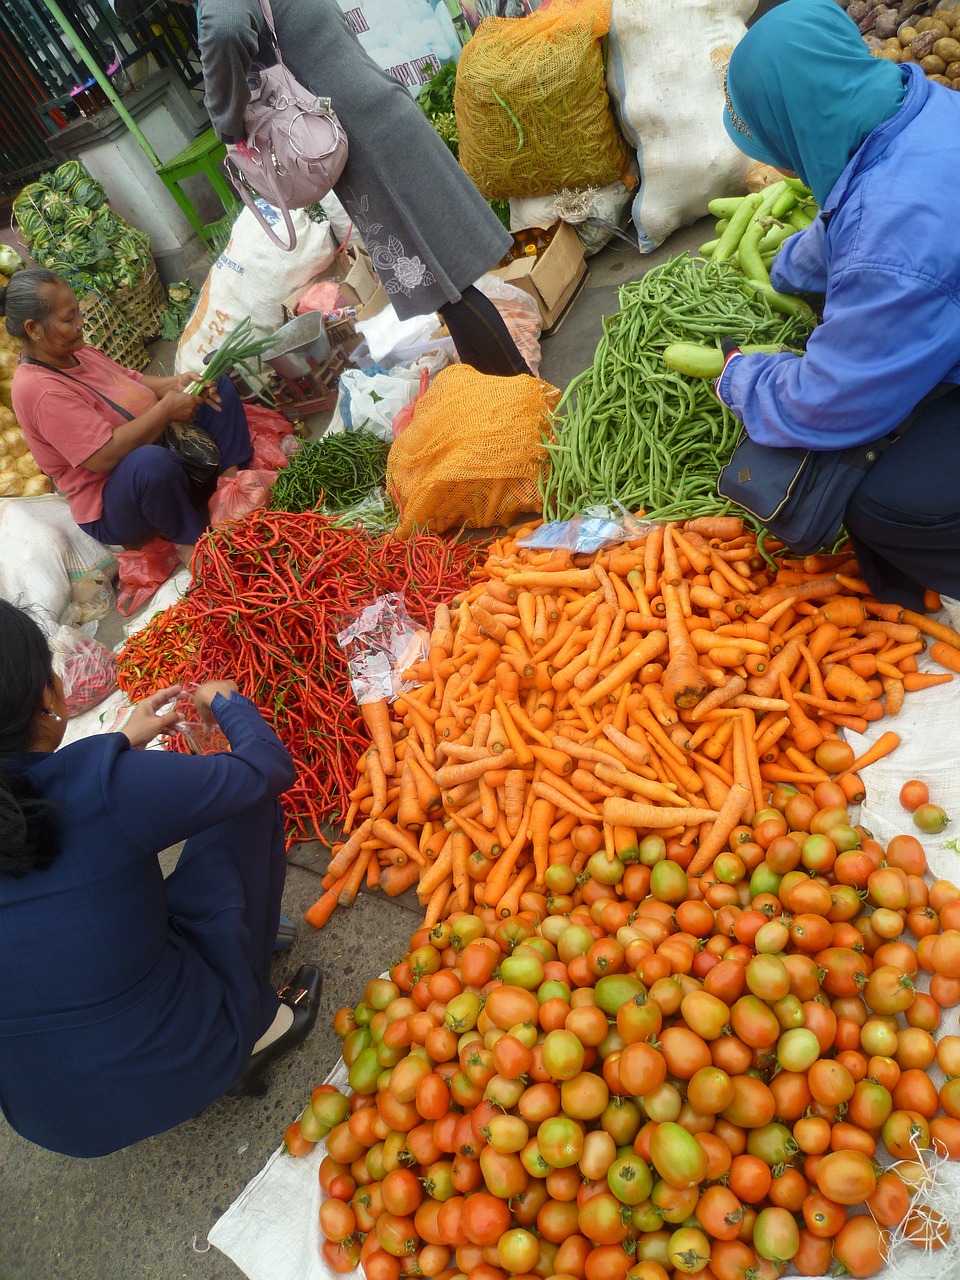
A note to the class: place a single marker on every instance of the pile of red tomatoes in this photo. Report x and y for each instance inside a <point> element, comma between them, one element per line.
<point>723,1077</point>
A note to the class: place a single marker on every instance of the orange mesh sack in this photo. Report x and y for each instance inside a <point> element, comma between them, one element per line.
<point>473,452</point>
<point>533,115</point>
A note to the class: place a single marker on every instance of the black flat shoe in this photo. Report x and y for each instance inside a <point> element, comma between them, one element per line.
<point>302,994</point>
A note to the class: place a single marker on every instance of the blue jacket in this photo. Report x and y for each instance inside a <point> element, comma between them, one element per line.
<point>886,253</point>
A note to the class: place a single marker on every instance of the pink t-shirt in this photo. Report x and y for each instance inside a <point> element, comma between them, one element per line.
<point>65,422</point>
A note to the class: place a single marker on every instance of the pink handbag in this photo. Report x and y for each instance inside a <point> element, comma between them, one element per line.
<point>295,147</point>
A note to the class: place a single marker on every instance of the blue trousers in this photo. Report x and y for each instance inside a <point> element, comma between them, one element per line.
<point>224,897</point>
<point>149,493</point>
<point>904,518</point>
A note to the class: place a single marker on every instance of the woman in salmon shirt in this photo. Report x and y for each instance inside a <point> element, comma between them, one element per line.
<point>94,427</point>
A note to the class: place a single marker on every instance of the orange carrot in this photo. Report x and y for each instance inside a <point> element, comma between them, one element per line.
<point>886,743</point>
<point>805,733</point>
<point>715,528</point>
<point>633,813</point>
<point>947,655</point>
<point>343,857</point>
<point>509,903</point>
<point>651,646</point>
<point>376,716</point>
<point>931,628</point>
<point>542,815</point>
<point>925,680</point>
<point>717,838</point>
<point>323,908</point>
<point>355,878</point>
<point>842,683</point>
<point>717,697</point>
<point>395,880</point>
<point>683,682</point>
<point>454,775</point>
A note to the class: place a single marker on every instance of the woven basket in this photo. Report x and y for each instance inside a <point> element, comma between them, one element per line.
<point>144,304</point>
<point>105,328</point>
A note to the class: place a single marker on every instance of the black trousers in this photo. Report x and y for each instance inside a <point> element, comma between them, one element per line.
<point>480,335</point>
<point>904,519</point>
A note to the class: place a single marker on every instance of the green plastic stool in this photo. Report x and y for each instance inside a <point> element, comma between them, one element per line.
<point>203,155</point>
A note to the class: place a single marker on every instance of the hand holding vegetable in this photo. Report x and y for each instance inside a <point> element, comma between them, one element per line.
<point>206,693</point>
<point>146,720</point>
<point>179,406</point>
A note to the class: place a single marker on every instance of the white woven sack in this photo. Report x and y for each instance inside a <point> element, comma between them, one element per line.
<point>665,74</point>
<point>46,560</point>
<point>251,277</point>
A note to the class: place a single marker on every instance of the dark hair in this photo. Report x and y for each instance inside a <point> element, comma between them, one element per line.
<point>28,827</point>
<point>25,299</point>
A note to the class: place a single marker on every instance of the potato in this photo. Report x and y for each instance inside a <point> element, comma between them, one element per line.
<point>35,486</point>
<point>933,65</point>
<point>942,80</point>
<point>923,44</point>
<point>26,467</point>
<point>886,23</point>
<point>947,49</point>
<point>11,484</point>
<point>953,71</point>
<point>888,55</point>
<point>907,34</point>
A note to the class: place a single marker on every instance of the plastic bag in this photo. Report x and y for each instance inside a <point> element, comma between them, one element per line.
<point>586,533</point>
<point>262,420</point>
<point>238,495</point>
<point>372,400</point>
<point>143,571</point>
<point>268,454</point>
<point>380,643</point>
<point>520,313</point>
<point>91,597</point>
<point>86,667</point>
<point>403,417</point>
<point>202,738</point>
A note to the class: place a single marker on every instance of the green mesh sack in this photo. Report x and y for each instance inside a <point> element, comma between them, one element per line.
<point>531,102</point>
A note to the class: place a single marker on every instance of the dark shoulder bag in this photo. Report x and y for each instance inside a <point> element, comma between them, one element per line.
<point>801,495</point>
<point>195,447</point>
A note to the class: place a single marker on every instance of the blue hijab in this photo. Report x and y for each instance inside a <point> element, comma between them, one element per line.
<point>803,91</point>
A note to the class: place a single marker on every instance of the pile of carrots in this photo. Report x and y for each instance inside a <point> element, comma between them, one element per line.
<point>571,703</point>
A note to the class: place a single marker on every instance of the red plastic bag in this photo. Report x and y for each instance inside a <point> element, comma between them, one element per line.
<point>264,421</point>
<point>268,454</point>
<point>403,417</point>
<point>86,667</point>
<point>268,430</point>
<point>238,495</point>
<point>143,571</point>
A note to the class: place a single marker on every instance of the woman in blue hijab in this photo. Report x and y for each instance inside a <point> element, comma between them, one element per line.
<point>879,146</point>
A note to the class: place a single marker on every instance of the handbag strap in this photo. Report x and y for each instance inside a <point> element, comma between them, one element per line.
<point>276,202</point>
<point>267,11</point>
<point>117,408</point>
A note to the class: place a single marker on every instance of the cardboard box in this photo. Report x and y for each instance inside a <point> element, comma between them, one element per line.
<point>554,278</point>
<point>359,285</point>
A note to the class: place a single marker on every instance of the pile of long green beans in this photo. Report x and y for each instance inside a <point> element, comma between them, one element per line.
<point>331,473</point>
<point>630,429</point>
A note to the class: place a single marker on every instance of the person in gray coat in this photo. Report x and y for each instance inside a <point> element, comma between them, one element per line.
<point>429,232</point>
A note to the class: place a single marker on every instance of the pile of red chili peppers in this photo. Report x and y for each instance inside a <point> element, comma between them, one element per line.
<point>270,593</point>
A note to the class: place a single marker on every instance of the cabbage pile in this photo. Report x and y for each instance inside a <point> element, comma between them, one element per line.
<point>68,228</point>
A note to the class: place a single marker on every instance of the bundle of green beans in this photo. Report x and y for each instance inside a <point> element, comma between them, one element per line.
<point>633,430</point>
<point>334,472</point>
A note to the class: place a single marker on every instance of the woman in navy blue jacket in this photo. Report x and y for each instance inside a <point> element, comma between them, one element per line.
<point>879,145</point>
<point>128,1003</point>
